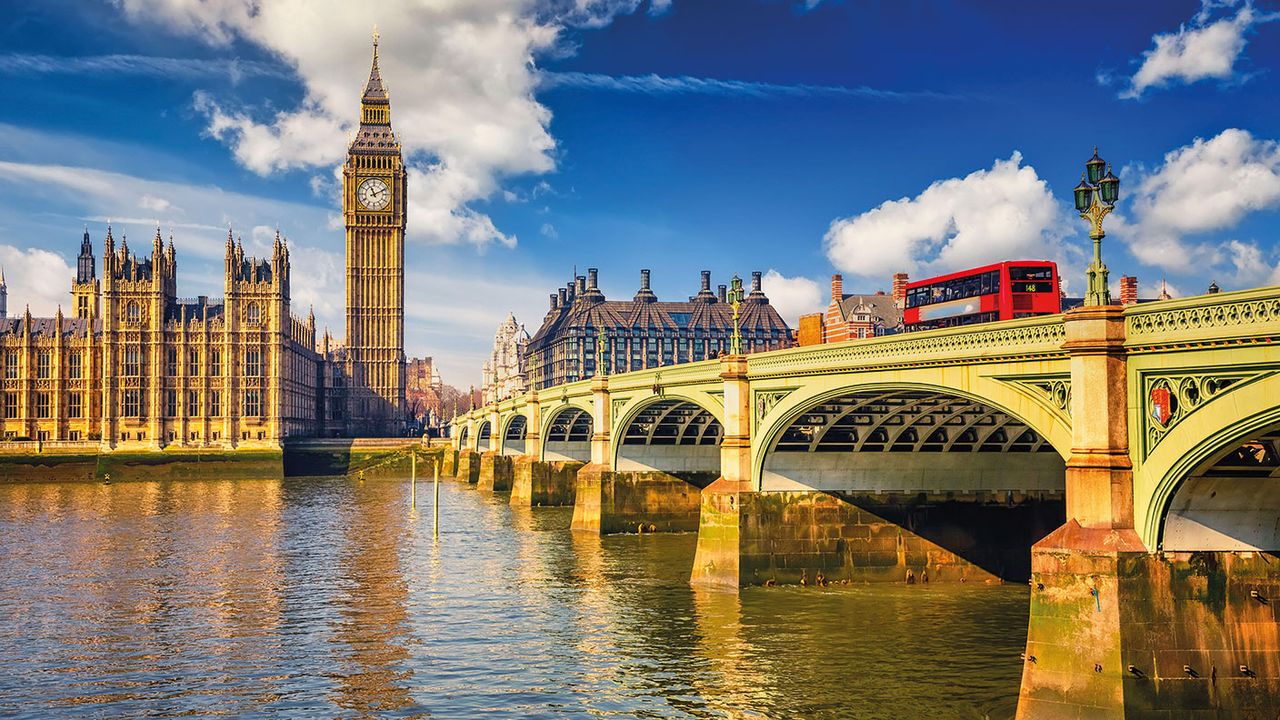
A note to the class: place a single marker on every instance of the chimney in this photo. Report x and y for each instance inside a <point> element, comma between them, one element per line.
<point>900,281</point>
<point>837,288</point>
<point>564,296</point>
<point>644,294</point>
<point>555,301</point>
<point>755,281</point>
<point>722,292</point>
<point>706,281</point>
<point>581,283</point>
<point>644,279</point>
<point>1128,290</point>
<point>593,274</point>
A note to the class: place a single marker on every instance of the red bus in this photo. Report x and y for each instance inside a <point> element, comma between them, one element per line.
<point>1003,291</point>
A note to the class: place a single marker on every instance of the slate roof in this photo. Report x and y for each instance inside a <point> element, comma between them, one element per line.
<point>47,327</point>
<point>882,307</point>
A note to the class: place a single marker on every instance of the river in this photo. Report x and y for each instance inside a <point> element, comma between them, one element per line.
<point>330,598</point>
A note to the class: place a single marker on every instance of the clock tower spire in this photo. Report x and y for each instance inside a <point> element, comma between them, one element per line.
<point>373,208</point>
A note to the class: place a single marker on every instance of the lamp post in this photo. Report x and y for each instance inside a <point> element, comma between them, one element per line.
<point>601,344</point>
<point>735,297</point>
<point>1095,198</point>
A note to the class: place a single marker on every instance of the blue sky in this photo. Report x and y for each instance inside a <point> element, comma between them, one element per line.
<point>792,137</point>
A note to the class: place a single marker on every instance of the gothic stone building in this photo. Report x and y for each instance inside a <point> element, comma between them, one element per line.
<point>138,367</point>
<point>503,374</point>
<point>643,332</point>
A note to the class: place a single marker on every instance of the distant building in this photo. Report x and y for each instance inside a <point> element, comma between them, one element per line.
<point>644,332</point>
<point>503,374</point>
<point>423,390</point>
<point>850,317</point>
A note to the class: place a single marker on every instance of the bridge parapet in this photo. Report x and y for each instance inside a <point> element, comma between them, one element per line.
<point>1244,316</point>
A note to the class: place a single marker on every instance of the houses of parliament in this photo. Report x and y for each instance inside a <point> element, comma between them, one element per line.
<point>135,366</point>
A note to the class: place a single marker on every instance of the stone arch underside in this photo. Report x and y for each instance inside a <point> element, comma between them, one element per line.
<point>568,436</point>
<point>513,436</point>
<point>924,471</point>
<point>673,436</point>
<point>483,432</point>
<point>463,437</point>
<point>1231,501</point>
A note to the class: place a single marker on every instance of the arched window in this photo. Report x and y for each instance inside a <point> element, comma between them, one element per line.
<point>133,313</point>
<point>251,314</point>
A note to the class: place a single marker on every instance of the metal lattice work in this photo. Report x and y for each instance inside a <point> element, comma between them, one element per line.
<point>570,425</point>
<point>908,421</point>
<point>515,429</point>
<point>1258,458</point>
<point>673,422</point>
<point>483,434</point>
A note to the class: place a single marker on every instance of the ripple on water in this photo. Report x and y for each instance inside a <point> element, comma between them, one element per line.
<point>330,598</point>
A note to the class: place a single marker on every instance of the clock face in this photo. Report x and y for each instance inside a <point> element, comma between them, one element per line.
<point>373,194</point>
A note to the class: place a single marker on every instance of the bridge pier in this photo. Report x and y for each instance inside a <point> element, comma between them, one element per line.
<point>468,465</point>
<point>536,483</point>
<point>636,501</point>
<point>449,462</point>
<point>495,473</point>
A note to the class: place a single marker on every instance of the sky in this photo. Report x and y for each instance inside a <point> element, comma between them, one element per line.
<point>794,137</point>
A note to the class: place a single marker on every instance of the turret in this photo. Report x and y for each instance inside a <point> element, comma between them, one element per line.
<point>4,296</point>
<point>85,265</point>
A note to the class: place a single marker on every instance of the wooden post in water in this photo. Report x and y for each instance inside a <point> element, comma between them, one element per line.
<point>413,481</point>
<point>436,505</point>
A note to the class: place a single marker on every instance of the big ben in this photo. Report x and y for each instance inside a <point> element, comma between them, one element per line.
<point>373,207</point>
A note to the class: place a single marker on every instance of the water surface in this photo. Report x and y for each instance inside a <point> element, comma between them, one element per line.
<point>330,598</point>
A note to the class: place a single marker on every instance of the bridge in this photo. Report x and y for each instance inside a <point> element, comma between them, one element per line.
<point>1125,461</point>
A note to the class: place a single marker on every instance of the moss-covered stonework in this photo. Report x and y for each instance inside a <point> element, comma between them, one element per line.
<point>49,468</point>
<point>468,469</point>
<point>543,484</point>
<point>495,472</point>
<point>626,502</point>
<point>370,462</point>
<point>449,462</point>
<point>128,466</point>
<point>751,538</point>
<point>1167,635</point>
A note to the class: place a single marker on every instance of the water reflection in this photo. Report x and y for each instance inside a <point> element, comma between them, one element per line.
<point>331,598</point>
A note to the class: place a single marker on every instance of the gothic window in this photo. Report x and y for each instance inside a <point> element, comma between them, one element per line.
<point>11,365</point>
<point>252,403</point>
<point>215,362</point>
<point>170,403</point>
<point>253,363</point>
<point>75,407</point>
<point>193,403</point>
<point>171,368</point>
<point>193,363</point>
<point>133,313</point>
<point>215,403</point>
<point>251,314</point>
<point>42,365</point>
<point>11,406</point>
<point>74,366</point>
<point>132,405</point>
<point>132,363</point>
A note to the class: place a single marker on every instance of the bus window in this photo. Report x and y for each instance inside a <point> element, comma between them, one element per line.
<point>1027,273</point>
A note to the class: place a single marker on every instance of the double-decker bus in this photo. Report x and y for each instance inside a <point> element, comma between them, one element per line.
<point>1002,291</point>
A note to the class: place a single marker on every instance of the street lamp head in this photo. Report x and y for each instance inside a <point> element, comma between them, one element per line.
<point>1084,195</point>
<point>1094,167</point>
<point>1109,188</point>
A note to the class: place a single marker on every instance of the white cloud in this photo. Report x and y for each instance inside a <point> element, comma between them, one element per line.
<point>461,73</point>
<point>1203,50</point>
<point>549,231</point>
<point>1206,186</point>
<point>987,216</point>
<point>686,85</point>
<point>151,202</point>
<point>792,296</point>
<point>35,277</point>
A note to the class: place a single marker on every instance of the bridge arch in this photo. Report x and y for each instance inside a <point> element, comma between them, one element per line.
<point>462,436</point>
<point>1213,482</point>
<point>677,433</point>
<point>483,432</point>
<point>567,434</point>
<point>513,432</point>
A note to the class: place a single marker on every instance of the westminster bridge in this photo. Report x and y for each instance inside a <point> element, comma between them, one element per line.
<point>1122,460</point>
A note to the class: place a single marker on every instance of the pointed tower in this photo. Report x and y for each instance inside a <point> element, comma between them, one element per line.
<point>84,289</point>
<point>4,296</point>
<point>373,207</point>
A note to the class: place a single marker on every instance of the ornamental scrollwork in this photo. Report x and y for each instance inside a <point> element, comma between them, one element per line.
<point>1167,400</point>
<point>616,408</point>
<point>1203,317</point>
<point>766,400</point>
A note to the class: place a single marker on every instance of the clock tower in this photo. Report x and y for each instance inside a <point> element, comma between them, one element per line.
<point>373,207</point>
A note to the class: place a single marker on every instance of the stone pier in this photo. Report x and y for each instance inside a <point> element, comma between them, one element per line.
<point>495,472</point>
<point>449,462</point>
<point>543,484</point>
<point>626,502</point>
<point>468,468</point>
<point>754,538</point>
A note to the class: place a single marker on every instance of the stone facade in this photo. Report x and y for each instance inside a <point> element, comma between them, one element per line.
<point>643,332</point>
<point>504,372</point>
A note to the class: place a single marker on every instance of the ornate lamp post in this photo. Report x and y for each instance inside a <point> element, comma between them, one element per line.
<point>1096,197</point>
<point>601,368</point>
<point>735,297</point>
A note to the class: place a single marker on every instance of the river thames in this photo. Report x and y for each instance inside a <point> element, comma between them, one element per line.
<point>330,598</point>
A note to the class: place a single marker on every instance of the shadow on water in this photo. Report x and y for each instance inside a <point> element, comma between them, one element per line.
<point>331,598</point>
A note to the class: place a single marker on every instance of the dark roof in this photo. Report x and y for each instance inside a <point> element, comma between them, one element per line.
<point>882,307</point>
<point>46,327</point>
<point>374,90</point>
<point>376,139</point>
<point>194,309</point>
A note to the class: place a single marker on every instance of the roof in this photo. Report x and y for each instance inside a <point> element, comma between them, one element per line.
<point>47,327</point>
<point>880,305</point>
